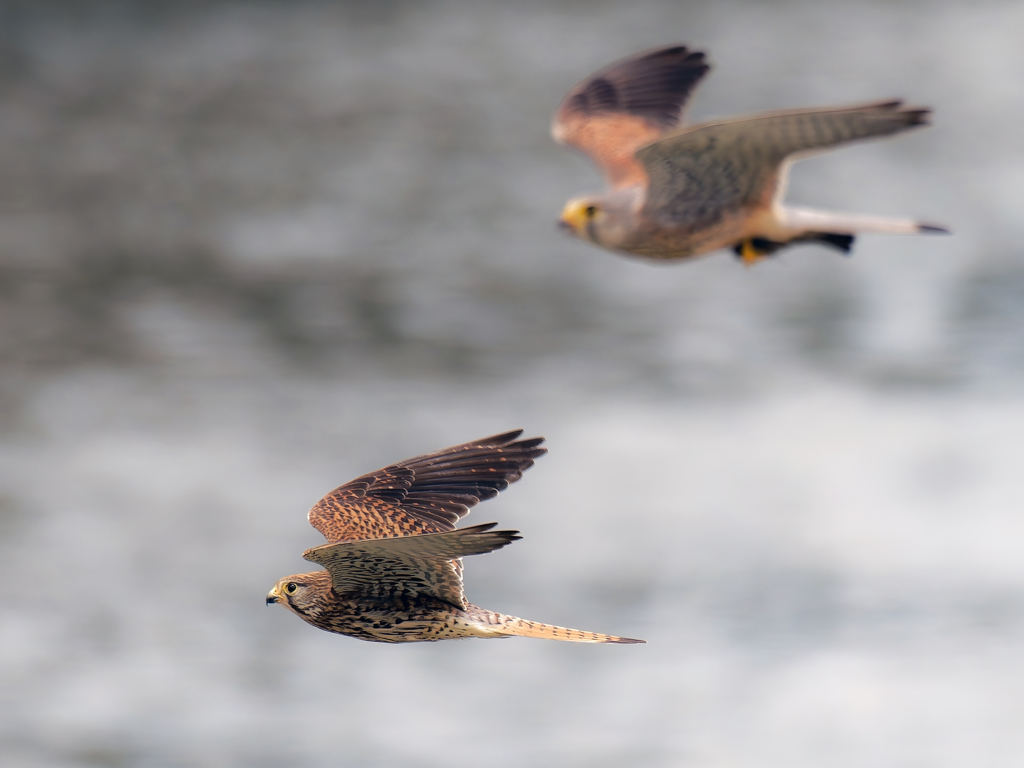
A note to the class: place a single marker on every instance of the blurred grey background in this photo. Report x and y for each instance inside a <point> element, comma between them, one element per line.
<point>249,250</point>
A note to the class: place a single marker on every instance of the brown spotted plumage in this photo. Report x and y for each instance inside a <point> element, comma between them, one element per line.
<point>394,555</point>
<point>676,192</point>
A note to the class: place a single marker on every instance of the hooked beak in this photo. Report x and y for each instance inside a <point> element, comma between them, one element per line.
<point>273,596</point>
<point>565,226</point>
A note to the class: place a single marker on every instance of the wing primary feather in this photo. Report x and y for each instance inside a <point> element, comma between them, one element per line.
<point>446,545</point>
<point>653,84</point>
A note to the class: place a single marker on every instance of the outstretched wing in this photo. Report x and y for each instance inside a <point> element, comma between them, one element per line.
<point>702,173</point>
<point>408,566</point>
<point>626,106</point>
<point>426,494</point>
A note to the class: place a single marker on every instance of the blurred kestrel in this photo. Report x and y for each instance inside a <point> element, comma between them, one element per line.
<point>394,561</point>
<point>679,192</point>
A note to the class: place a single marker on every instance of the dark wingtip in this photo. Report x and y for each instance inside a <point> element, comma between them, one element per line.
<point>918,116</point>
<point>476,530</point>
<point>932,229</point>
<point>841,242</point>
<point>530,442</point>
<point>480,528</point>
<point>676,51</point>
<point>509,440</point>
<point>627,641</point>
<point>504,438</point>
<point>910,115</point>
<point>652,84</point>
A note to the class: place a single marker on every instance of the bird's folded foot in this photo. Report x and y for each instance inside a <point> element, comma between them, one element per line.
<point>753,249</point>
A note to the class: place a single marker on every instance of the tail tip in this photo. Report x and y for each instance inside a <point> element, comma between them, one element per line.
<point>932,229</point>
<point>625,641</point>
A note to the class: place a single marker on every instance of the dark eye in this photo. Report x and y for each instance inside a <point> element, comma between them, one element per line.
<point>290,587</point>
<point>590,210</point>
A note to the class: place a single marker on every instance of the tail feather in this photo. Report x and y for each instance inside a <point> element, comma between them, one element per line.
<point>500,625</point>
<point>523,628</point>
<point>807,221</point>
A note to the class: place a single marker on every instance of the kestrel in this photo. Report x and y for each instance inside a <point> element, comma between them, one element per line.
<point>394,561</point>
<point>676,192</point>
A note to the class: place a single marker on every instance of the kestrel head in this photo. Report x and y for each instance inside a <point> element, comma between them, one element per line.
<point>302,594</point>
<point>605,220</point>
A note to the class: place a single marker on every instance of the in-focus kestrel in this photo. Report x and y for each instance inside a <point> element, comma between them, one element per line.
<point>679,192</point>
<point>394,561</point>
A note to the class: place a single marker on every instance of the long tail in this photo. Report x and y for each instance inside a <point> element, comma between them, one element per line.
<point>805,220</point>
<point>499,625</point>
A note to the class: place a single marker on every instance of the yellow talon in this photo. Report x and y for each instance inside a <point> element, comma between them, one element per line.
<point>749,254</point>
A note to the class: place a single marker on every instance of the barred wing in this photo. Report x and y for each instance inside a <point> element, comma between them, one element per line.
<point>425,494</point>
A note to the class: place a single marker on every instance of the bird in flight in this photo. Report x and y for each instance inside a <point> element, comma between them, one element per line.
<point>676,192</point>
<point>394,557</point>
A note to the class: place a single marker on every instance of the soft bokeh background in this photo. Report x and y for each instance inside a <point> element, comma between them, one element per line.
<point>251,250</point>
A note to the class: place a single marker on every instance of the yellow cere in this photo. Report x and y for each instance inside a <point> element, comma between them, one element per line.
<point>576,214</point>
